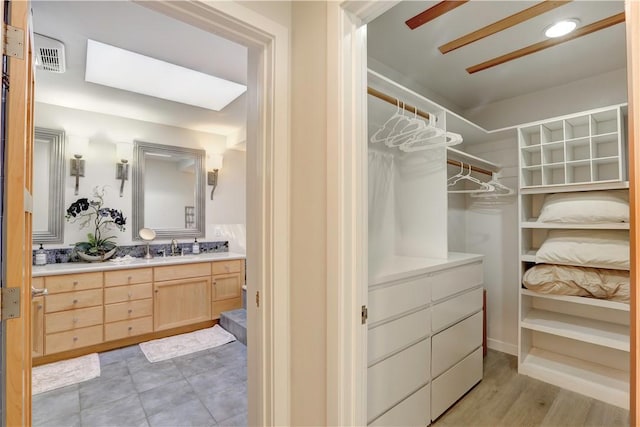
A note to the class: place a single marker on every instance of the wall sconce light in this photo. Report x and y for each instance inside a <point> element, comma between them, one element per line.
<point>123,153</point>
<point>215,161</point>
<point>77,146</point>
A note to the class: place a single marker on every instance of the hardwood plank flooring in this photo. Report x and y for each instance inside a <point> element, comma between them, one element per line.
<point>504,398</point>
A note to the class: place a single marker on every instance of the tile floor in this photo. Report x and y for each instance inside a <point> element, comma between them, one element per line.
<point>208,388</point>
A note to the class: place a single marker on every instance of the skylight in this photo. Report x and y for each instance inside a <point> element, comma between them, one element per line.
<point>121,69</point>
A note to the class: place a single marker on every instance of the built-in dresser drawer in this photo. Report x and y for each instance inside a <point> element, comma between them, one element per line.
<point>399,297</point>
<point>389,337</point>
<point>411,412</point>
<point>452,310</point>
<point>224,267</point>
<point>391,380</point>
<point>127,293</point>
<point>128,277</point>
<point>128,310</point>
<point>69,340</point>
<point>73,300</point>
<point>128,328</point>
<point>454,280</point>
<point>454,383</point>
<point>182,271</point>
<point>454,343</point>
<point>72,319</point>
<point>73,282</point>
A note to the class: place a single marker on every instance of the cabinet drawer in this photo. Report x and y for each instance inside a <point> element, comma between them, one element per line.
<point>454,280</point>
<point>453,384</point>
<point>128,277</point>
<point>127,293</point>
<point>73,319</point>
<point>128,328</point>
<point>70,340</point>
<point>389,337</point>
<point>37,282</point>
<point>395,378</point>
<point>397,298</point>
<point>449,312</point>
<point>218,307</point>
<point>411,412</point>
<point>224,267</point>
<point>172,272</point>
<point>73,282</point>
<point>454,343</point>
<point>128,310</point>
<point>73,300</point>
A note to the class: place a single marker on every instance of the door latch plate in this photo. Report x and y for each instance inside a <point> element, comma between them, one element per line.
<point>10,303</point>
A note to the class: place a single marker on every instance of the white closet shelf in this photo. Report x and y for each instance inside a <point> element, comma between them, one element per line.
<point>613,305</point>
<point>528,256</point>
<point>533,223</point>
<point>597,332</point>
<point>611,185</point>
<point>463,157</point>
<point>588,378</point>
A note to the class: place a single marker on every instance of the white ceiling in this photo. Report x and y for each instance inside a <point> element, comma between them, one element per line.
<point>415,54</point>
<point>133,27</point>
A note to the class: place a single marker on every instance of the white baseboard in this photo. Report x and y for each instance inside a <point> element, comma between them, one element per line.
<point>502,346</point>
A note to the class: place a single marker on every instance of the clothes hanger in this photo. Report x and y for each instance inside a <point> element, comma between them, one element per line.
<point>451,181</point>
<point>484,187</point>
<point>407,132</point>
<point>388,128</point>
<point>500,190</point>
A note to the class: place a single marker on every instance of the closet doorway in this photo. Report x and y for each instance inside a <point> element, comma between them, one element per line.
<point>351,42</point>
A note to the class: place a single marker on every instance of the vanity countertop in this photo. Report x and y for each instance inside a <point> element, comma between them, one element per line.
<point>86,267</point>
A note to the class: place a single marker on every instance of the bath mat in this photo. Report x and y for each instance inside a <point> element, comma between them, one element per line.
<point>179,345</point>
<point>67,372</point>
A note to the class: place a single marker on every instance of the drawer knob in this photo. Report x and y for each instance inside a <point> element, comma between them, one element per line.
<point>129,294</point>
<point>130,311</point>
<point>75,338</point>
<point>39,306</point>
<point>75,320</point>
<point>75,283</point>
<point>75,301</point>
<point>226,267</point>
<point>131,328</point>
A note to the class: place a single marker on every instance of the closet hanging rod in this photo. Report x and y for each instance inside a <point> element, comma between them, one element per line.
<point>467,165</point>
<point>395,101</point>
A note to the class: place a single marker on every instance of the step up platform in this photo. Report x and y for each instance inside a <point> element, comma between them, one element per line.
<point>235,321</point>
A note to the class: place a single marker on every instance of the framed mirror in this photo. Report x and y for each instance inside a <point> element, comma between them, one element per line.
<point>48,185</point>
<point>168,190</point>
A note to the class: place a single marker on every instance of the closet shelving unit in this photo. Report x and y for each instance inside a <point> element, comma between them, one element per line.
<point>577,343</point>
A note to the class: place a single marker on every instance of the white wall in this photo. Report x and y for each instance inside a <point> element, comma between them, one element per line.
<point>491,229</point>
<point>104,131</point>
<point>581,95</point>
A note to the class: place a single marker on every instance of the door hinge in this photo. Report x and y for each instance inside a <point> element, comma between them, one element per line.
<point>364,314</point>
<point>13,41</point>
<point>10,304</point>
<point>257,298</point>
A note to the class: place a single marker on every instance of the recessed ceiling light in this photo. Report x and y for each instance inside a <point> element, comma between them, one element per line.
<point>561,28</point>
<point>119,68</point>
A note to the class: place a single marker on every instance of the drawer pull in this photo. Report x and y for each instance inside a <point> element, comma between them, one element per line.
<point>75,283</point>
<point>226,267</point>
<point>130,311</point>
<point>75,301</point>
<point>75,339</point>
<point>39,306</point>
<point>130,328</point>
<point>128,278</point>
<point>75,320</point>
<point>129,295</point>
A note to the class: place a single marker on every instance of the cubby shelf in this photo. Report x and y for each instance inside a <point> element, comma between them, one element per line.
<point>532,223</point>
<point>591,331</point>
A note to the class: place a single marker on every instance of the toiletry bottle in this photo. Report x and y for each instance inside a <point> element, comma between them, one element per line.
<point>195,248</point>
<point>41,256</point>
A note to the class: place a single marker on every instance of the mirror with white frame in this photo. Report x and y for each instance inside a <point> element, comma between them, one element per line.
<point>48,185</point>
<point>168,190</point>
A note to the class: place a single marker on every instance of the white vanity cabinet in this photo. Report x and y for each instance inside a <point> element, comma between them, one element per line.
<point>424,339</point>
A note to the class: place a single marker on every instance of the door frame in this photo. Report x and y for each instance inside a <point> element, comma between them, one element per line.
<point>268,196</point>
<point>347,203</point>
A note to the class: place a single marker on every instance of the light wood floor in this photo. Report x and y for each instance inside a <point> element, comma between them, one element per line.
<point>504,398</point>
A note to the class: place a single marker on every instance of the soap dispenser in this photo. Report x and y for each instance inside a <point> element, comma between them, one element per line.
<point>41,256</point>
<point>195,248</point>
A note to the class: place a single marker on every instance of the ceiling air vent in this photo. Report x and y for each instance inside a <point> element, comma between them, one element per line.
<point>49,54</point>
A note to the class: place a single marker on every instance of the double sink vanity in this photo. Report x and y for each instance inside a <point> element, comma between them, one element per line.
<point>100,306</point>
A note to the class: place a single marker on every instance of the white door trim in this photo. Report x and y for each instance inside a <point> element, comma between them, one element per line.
<point>268,197</point>
<point>347,230</point>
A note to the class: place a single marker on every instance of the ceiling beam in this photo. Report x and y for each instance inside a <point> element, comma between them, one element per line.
<point>433,12</point>
<point>583,31</point>
<point>502,24</point>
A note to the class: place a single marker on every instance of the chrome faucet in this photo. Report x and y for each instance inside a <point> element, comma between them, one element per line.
<point>174,247</point>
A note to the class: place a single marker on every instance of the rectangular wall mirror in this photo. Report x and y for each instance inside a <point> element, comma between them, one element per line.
<point>48,185</point>
<point>168,190</point>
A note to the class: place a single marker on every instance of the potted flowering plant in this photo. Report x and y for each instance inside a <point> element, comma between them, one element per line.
<point>92,213</point>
